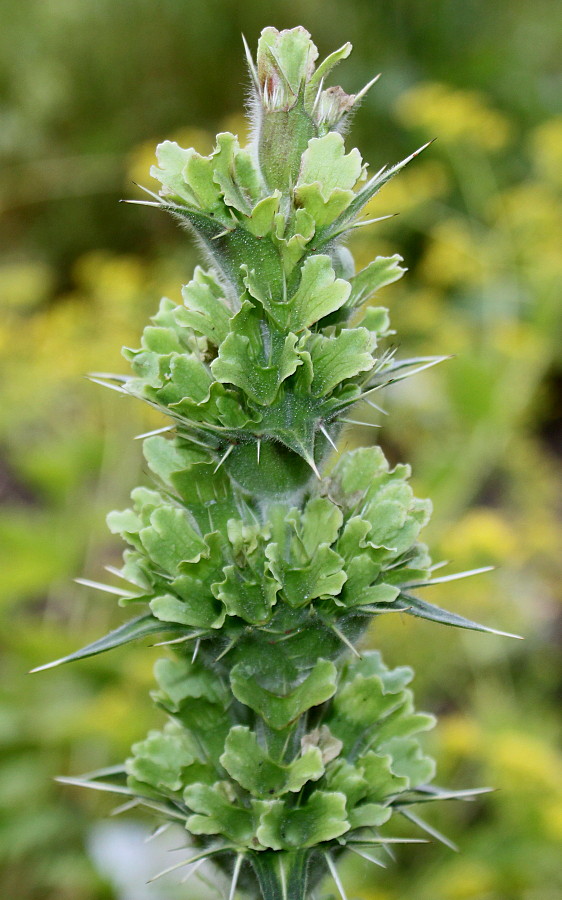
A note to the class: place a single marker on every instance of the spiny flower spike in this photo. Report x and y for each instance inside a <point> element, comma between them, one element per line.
<point>258,567</point>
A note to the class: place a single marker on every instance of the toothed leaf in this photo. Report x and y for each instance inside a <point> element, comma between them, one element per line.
<point>322,818</point>
<point>249,765</point>
<point>279,710</point>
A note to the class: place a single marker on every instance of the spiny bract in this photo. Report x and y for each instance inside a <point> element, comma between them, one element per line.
<point>285,745</point>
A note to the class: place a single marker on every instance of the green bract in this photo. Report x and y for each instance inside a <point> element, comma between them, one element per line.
<point>258,562</point>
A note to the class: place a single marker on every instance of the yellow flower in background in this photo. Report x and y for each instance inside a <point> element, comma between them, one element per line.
<point>24,285</point>
<point>463,879</point>
<point>552,819</point>
<point>484,536</point>
<point>455,116</point>
<point>237,124</point>
<point>109,277</point>
<point>460,736</point>
<point>526,761</point>
<point>531,209</point>
<point>546,149</point>
<point>144,156</point>
<point>452,256</point>
<point>427,180</point>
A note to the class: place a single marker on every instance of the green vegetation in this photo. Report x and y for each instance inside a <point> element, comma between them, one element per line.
<point>481,432</point>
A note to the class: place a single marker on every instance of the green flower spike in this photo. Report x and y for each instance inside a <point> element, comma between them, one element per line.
<point>261,568</point>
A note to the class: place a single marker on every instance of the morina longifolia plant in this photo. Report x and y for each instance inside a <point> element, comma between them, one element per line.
<point>259,554</point>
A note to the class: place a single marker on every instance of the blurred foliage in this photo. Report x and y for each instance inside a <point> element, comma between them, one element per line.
<point>87,89</point>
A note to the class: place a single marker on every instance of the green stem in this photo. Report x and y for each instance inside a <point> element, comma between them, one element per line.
<point>282,875</point>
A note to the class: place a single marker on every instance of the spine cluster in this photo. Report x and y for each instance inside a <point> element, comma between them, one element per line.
<point>258,559</point>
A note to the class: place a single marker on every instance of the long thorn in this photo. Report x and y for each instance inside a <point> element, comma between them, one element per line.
<point>195,650</point>
<point>223,458</point>
<point>318,94</point>
<point>367,87</point>
<point>442,838</point>
<point>193,870</point>
<point>364,855</point>
<point>362,424</point>
<point>258,448</point>
<point>226,650</point>
<point>376,406</point>
<point>148,191</point>
<point>251,65</point>
<point>187,862</point>
<point>328,438</point>
<point>345,641</point>
<point>333,872</point>
<point>125,807</point>
<point>313,466</point>
<point>112,387</point>
<point>157,832</point>
<point>140,437</point>
<point>235,874</point>
<point>222,233</point>
<point>181,640</point>
<point>107,588</point>
<point>444,578</point>
<point>142,203</point>
<point>371,221</point>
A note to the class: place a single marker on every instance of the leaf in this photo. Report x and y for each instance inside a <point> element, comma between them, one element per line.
<point>336,358</point>
<point>161,340</point>
<point>326,178</point>
<point>319,293</point>
<point>243,360</point>
<point>236,174</point>
<point>321,818</point>
<point>188,378</point>
<point>359,706</point>
<point>286,56</point>
<point>321,522</point>
<point>249,765</point>
<point>385,594</point>
<point>134,630</point>
<point>324,69</point>
<point>279,710</point>
<point>376,320</point>
<point>366,193</point>
<point>381,780</point>
<point>171,539</point>
<point>198,172</point>
<point>357,470</point>
<point>182,680</point>
<point>408,760</point>
<point>199,612</point>
<point>250,600</point>
<point>353,539</point>
<point>215,813</point>
<point>204,310</point>
<point>165,457</point>
<point>160,759</point>
<point>323,211</point>
<point>260,221</point>
<point>171,160</point>
<point>381,271</point>
<point>322,576</point>
<point>369,815</point>
<point>371,663</point>
<point>324,161</point>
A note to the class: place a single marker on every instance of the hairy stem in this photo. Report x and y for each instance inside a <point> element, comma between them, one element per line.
<point>282,876</point>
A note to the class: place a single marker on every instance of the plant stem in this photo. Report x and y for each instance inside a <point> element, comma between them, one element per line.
<point>282,876</point>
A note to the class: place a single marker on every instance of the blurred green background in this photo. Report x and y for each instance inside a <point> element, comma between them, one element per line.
<point>87,88</point>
